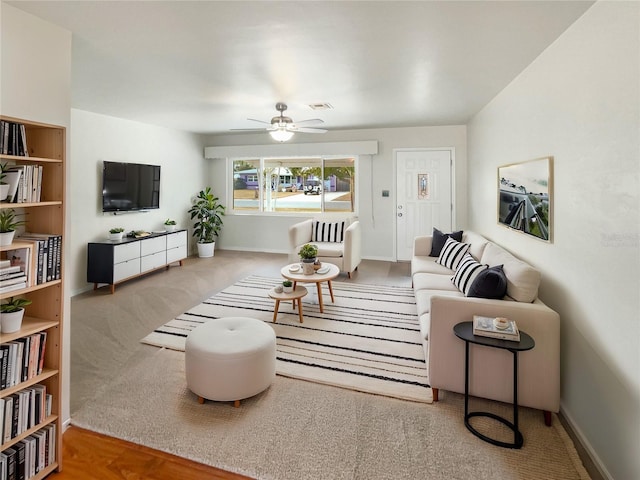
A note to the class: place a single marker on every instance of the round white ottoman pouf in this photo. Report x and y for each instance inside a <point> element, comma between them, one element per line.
<point>230,359</point>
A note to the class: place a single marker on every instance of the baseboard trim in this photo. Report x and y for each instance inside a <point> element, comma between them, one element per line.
<point>578,436</point>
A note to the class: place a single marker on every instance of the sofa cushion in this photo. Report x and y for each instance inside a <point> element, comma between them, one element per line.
<point>428,265</point>
<point>467,272</point>
<point>329,249</point>
<point>490,283</point>
<point>328,231</point>
<point>452,253</point>
<point>433,281</point>
<point>439,239</point>
<point>423,298</point>
<point>522,279</point>
<point>477,242</point>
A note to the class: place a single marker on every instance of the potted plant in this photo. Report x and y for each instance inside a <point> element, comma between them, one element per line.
<point>4,187</point>
<point>308,254</point>
<point>287,286</point>
<point>169,225</point>
<point>116,233</point>
<point>12,314</point>
<point>208,213</point>
<point>8,225</point>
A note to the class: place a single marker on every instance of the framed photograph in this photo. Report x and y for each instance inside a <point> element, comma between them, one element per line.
<point>524,197</point>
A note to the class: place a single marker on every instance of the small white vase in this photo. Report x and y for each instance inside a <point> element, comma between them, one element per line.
<point>11,322</point>
<point>287,289</point>
<point>115,236</point>
<point>6,238</point>
<point>4,191</point>
<point>170,228</point>
<point>307,266</point>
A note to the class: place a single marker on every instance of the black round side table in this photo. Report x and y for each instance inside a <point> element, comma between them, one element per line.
<point>464,331</point>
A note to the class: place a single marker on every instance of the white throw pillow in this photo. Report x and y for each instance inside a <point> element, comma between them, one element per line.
<point>452,253</point>
<point>466,273</point>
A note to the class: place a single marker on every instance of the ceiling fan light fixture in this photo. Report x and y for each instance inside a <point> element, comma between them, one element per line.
<point>281,134</point>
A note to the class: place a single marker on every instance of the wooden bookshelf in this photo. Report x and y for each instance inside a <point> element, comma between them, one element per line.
<point>45,147</point>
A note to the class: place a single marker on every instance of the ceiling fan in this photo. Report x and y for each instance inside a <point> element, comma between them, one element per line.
<point>282,128</point>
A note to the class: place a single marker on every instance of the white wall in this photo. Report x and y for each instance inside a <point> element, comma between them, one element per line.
<point>35,84</point>
<point>377,173</point>
<point>579,102</point>
<point>95,138</point>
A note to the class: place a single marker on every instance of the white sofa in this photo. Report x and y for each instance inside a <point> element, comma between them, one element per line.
<point>338,241</point>
<point>441,306</point>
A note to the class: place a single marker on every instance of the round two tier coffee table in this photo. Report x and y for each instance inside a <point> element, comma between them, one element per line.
<point>294,296</point>
<point>317,278</point>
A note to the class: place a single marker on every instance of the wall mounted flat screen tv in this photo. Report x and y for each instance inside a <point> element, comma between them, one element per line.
<point>130,186</point>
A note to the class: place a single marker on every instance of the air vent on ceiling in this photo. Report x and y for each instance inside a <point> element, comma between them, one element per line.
<point>320,106</point>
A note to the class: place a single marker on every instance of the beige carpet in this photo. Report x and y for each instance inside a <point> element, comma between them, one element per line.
<point>298,430</point>
<point>368,340</point>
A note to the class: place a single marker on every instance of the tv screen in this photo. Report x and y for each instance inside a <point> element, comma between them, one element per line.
<point>130,186</point>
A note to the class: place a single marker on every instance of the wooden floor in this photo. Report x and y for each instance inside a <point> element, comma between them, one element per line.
<point>87,455</point>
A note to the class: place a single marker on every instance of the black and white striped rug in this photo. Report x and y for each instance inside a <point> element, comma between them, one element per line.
<point>368,340</point>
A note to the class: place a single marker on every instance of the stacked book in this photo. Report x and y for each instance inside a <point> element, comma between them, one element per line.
<point>12,276</point>
<point>492,327</point>
<point>22,359</point>
<point>25,183</point>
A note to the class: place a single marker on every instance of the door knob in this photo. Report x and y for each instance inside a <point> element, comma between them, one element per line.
<point>400,214</point>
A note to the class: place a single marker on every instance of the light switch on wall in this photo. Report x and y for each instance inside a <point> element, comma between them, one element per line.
<point>385,193</point>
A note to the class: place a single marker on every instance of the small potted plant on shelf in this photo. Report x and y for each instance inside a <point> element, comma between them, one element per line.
<point>208,213</point>
<point>12,314</point>
<point>308,254</point>
<point>8,225</point>
<point>4,187</point>
<point>169,225</point>
<point>116,234</point>
<point>287,286</point>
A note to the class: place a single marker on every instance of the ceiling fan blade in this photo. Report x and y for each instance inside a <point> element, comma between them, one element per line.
<point>247,129</point>
<point>310,122</point>
<point>259,121</point>
<point>308,130</point>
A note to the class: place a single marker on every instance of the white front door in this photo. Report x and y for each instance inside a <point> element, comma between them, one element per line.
<point>423,196</point>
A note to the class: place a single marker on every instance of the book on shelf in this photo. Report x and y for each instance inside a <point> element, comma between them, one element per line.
<point>12,281</point>
<point>23,257</point>
<point>488,327</point>
<point>13,139</point>
<point>5,263</point>
<point>12,178</point>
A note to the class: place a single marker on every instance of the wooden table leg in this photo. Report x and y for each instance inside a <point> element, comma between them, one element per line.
<point>320,297</point>
<point>275,310</point>
<point>331,291</point>
<point>300,310</point>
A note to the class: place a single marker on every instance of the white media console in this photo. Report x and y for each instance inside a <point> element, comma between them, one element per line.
<point>113,262</point>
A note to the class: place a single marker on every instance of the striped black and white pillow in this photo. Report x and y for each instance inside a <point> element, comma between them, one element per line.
<point>452,253</point>
<point>328,232</point>
<point>466,273</point>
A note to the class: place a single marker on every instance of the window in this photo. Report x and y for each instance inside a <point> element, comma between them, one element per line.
<point>294,185</point>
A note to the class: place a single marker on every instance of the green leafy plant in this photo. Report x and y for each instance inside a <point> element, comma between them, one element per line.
<point>287,283</point>
<point>8,220</point>
<point>308,251</point>
<point>116,230</point>
<point>3,169</point>
<point>14,304</point>
<point>168,221</point>
<point>208,213</point>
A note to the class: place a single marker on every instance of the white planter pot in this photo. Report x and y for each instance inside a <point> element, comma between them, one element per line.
<point>206,249</point>
<point>307,266</point>
<point>287,289</point>
<point>4,191</point>
<point>116,236</point>
<point>170,228</point>
<point>11,322</point>
<point>6,238</point>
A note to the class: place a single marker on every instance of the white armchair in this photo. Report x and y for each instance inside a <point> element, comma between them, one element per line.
<point>338,241</point>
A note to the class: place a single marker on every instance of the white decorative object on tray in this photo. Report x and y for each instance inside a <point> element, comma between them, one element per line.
<point>323,270</point>
<point>488,327</point>
<point>294,268</point>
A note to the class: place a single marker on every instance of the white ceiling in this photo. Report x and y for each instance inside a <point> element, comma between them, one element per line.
<point>206,66</point>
